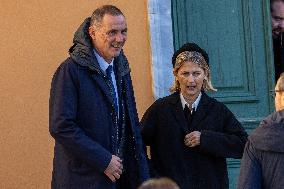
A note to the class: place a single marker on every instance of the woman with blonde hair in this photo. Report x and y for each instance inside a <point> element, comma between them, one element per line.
<point>189,133</point>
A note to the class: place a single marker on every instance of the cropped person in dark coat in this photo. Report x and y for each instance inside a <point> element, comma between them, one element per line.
<point>277,25</point>
<point>189,133</point>
<point>262,164</point>
<point>93,116</point>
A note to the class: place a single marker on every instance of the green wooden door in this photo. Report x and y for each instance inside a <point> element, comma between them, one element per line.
<point>236,35</point>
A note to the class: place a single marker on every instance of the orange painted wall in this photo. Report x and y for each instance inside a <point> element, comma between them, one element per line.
<point>35,36</point>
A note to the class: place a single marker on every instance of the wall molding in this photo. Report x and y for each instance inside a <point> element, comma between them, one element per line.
<point>161,35</point>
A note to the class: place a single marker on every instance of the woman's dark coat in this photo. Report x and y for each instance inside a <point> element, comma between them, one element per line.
<point>164,127</point>
<point>263,160</point>
<point>82,121</point>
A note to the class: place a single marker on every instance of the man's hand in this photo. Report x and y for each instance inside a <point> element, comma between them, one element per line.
<point>114,168</point>
<point>192,139</point>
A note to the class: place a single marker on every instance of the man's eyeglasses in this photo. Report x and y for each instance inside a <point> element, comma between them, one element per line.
<point>273,92</point>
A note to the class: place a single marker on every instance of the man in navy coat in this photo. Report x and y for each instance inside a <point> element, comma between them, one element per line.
<point>262,165</point>
<point>92,110</point>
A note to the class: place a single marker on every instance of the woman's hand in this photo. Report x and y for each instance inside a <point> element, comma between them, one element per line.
<point>192,139</point>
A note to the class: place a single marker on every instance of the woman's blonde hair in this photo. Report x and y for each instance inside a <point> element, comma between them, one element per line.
<point>196,58</point>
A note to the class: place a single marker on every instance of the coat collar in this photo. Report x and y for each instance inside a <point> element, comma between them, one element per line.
<point>177,110</point>
<point>200,113</point>
<point>269,135</point>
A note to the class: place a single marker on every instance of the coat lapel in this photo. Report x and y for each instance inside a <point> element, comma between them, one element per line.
<point>201,112</point>
<point>88,59</point>
<point>102,84</point>
<point>177,111</point>
<point>100,79</point>
<point>121,69</point>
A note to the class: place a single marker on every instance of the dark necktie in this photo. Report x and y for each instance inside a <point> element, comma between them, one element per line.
<point>109,70</point>
<point>187,114</point>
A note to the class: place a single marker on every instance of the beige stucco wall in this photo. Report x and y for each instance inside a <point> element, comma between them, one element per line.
<point>35,36</point>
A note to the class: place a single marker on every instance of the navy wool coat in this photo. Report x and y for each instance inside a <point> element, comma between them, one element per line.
<point>200,167</point>
<point>81,120</point>
<point>263,160</point>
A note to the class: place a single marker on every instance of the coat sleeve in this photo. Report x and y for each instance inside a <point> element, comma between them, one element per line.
<point>140,145</point>
<point>62,120</point>
<point>228,143</point>
<point>148,132</point>
<point>148,123</point>
<point>250,173</point>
